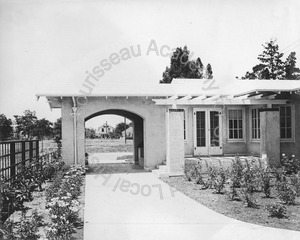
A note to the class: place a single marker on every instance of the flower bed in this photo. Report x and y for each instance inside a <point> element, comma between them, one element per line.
<point>245,190</point>
<point>51,212</point>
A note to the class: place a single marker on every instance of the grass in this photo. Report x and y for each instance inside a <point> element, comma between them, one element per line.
<point>237,209</point>
<point>108,145</point>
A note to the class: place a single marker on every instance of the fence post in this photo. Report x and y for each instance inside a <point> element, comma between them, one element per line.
<point>30,151</point>
<point>37,153</point>
<point>23,153</point>
<point>12,160</point>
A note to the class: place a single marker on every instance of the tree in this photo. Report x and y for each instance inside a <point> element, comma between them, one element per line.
<point>209,72</point>
<point>291,71</point>
<point>182,67</point>
<point>90,133</point>
<point>272,67</point>
<point>5,127</point>
<point>120,127</point>
<point>43,128</point>
<point>57,128</point>
<point>26,123</point>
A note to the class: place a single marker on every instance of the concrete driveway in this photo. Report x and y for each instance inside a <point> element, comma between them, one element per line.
<point>138,206</point>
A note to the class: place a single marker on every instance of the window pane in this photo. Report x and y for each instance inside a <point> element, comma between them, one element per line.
<point>239,114</point>
<point>288,111</point>
<point>289,133</point>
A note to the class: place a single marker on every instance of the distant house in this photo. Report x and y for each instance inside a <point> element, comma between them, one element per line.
<point>104,131</point>
<point>129,133</point>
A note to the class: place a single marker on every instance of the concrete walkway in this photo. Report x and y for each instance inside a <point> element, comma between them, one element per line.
<point>110,157</point>
<point>138,206</point>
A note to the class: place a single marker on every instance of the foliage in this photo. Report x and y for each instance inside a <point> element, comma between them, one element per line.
<point>90,133</point>
<point>236,172</point>
<point>291,71</point>
<point>266,182</point>
<point>233,193</point>
<point>25,229</point>
<point>120,127</point>
<point>271,65</point>
<point>62,204</point>
<point>43,128</point>
<point>249,198</point>
<point>5,127</point>
<point>285,192</point>
<point>290,164</point>
<point>26,123</point>
<point>277,210</point>
<point>219,180</point>
<point>182,67</point>
<point>295,181</point>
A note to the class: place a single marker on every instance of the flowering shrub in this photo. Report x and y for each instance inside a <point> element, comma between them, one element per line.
<point>62,204</point>
<point>64,216</point>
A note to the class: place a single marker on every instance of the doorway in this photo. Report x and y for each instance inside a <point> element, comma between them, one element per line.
<point>208,131</point>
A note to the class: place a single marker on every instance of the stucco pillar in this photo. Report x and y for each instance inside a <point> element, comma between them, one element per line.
<point>138,138</point>
<point>270,136</point>
<point>175,142</point>
<point>67,131</point>
<point>80,140</point>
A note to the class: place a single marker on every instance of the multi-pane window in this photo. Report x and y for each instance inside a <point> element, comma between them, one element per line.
<point>200,128</point>
<point>255,123</point>
<point>235,123</point>
<point>285,122</point>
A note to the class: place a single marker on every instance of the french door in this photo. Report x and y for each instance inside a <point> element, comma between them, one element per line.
<point>207,131</point>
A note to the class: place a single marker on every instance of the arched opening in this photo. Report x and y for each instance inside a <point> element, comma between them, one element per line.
<point>137,131</point>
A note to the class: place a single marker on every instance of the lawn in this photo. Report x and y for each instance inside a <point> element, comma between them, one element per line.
<point>108,145</point>
<point>237,208</point>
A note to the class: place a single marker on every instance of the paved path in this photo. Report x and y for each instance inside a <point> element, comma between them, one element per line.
<point>110,157</point>
<point>138,206</point>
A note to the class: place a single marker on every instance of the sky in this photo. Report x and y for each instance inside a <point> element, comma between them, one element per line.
<point>43,41</point>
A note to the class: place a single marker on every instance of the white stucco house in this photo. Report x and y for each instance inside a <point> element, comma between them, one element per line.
<point>188,117</point>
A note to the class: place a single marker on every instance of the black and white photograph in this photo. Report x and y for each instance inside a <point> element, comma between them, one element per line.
<point>149,120</point>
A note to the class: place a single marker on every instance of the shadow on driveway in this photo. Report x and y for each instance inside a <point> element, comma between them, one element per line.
<point>114,168</point>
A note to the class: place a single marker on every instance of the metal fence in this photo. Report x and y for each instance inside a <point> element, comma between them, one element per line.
<point>14,154</point>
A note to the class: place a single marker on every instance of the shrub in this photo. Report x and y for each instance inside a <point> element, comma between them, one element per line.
<point>249,198</point>
<point>290,164</point>
<point>277,210</point>
<point>266,182</point>
<point>236,172</point>
<point>286,193</point>
<point>232,194</point>
<point>62,203</point>
<point>199,176</point>
<point>219,180</point>
<point>25,229</point>
<point>295,181</point>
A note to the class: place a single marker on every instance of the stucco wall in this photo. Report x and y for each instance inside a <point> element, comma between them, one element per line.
<point>293,147</point>
<point>154,125</point>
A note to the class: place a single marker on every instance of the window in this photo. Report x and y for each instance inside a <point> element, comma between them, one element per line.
<point>285,113</point>
<point>255,124</point>
<point>235,123</point>
<point>185,122</point>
